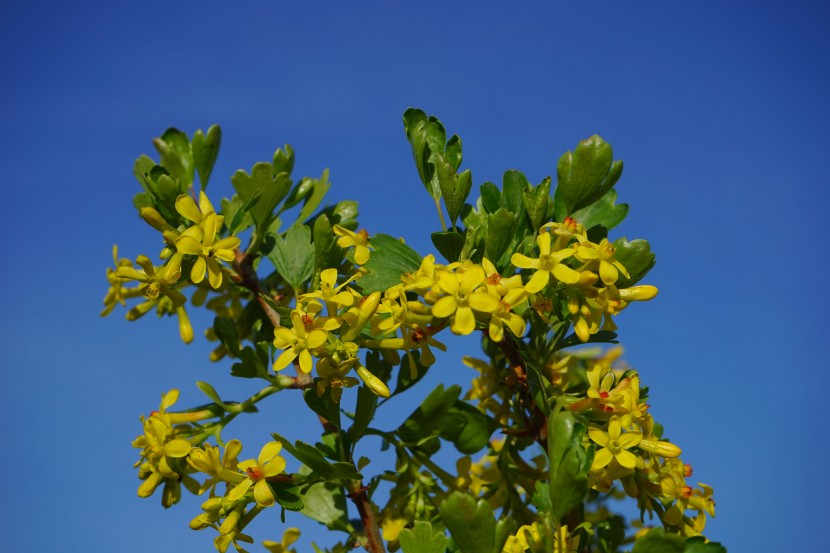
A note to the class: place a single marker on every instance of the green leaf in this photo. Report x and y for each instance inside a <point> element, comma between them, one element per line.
<point>227,333</point>
<point>426,135</point>
<point>698,544</point>
<point>252,362</point>
<point>471,524</point>
<point>210,392</point>
<point>587,173</point>
<point>405,380</point>
<point>449,244</point>
<point>326,503</point>
<point>490,196</point>
<point>323,240</point>
<point>569,463</point>
<point>141,168</point>
<point>422,539</point>
<point>364,412</point>
<point>476,432</point>
<point>455,187</point>
<point>390,259</point>
<point>636,257</point>
<point>298,193</point>
<point>283,160</point>
<point>323,405</point>
<point>241,217</point>
<point>500,230</point>
<point>312,201</point>
<point>174,149</point>
<point>271,187</point>
<point>657,541</point>
<point>541,498</point>
<point>205,149</point>
<point>433,417</point>
<point>514,184</point>
<point>293,256</point>
<point>287,495</point>
<point>536,203</point>
<point>602,212</point>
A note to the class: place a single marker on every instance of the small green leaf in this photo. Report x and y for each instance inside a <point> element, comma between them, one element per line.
<point>225,330</point>
<point>426,135</point>
<point>241,218</point>
<point>323,240</point>
<point>434,418</point>
<point>205,149</point>
<point>283,160</point>
<point>210,392</point>
<point>174,148</point>
<point>471,524</point>
<point>514,184</point>
<point>602,212</point>
<point>323,405</point>
<point>312,201</point>
<point>364,412</point>
<point>536,203</point>
<point>541,498</point>
<point>657,541</point>
<point>455,187</point>
<point>449,244</point>
<point>287,495</point>
<point>405,380</point>
<point>422,539</point>
<point>636,257</point>
<point>500,230</point>
<point>390,259</point>
<point>271,187</point>
<point>587,173</point>
<point>490,196</point>
<point>293,256</point>
<point>298,193</point>
<point>476,432</point>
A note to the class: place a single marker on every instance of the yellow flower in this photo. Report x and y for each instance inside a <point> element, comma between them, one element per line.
<point>297,342</point>
<point>154,283</point>
<point>332,295</point>
<point>360,241</point>
<point>601,254</point>
<point>548,264</point>
<point>614,445</point>
<point>200,239</point>
<point>503,315</point>
<point>462,297</point>
<point>266,465</point>
<point>117,293</point>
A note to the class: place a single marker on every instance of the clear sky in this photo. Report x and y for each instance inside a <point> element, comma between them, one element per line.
<point>719,109</point>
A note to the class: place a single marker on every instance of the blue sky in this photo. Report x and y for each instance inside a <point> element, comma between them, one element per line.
<point>719,110</point>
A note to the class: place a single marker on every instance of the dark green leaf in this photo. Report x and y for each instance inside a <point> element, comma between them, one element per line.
<point>636,257</point>
<point>293,256</point>
<point>454,187</point>
<point>471,524</point>
<point>541,498</point>
<point>298,193</point>
<point>225,330</point>
<point>490,197</point>
<point>602,212</point>
<point>426,135</point>
<point>657,541</point>
<point>287,496</point>
<point>434,417</point>
<point>587,173</point>
<point>367,402</point>
<point>449,244</point>
<point>390,259</point>
<point>422,539</point>
<point>205,148</point>
<point>283,160</point>
<point>253,362</point>
<point>405,380</point>
<point>322,405</point>
<point>141,168</point>
<point>476,431</point>
<point>323,240</point>
<point>569,463</point>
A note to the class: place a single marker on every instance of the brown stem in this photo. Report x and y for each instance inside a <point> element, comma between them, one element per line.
<point>374,543</point>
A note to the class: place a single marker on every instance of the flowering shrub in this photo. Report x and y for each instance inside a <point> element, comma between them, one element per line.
<point>547,434</point>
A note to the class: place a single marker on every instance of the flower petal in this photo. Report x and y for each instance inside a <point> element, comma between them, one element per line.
<point>177,448</point>
<point>465,321</point>
<point>524,262</point>
<point>186,206</point>
<point>263,494</point>
<point>242,488</point>
<point>268,452</point>
<point>197,273</point>
<point>214,273</point>
<point>284,359</point>
<point>565,274</point>
<point>601,458</point>
<point>626,459</point>
<point>483,302</point>
<point>444,307</point>
<point>598,436</point>
<point>538,281</point>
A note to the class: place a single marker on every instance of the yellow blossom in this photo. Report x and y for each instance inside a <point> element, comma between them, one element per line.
<point>614,444</point>
<point>288,537</point>
<point>297,342</point>
<point>360,241</point>
<point>548,264</point>
<point>266,465</point>
<point>462,298</point>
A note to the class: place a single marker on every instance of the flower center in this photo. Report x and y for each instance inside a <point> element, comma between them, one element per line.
<point>254,473</point>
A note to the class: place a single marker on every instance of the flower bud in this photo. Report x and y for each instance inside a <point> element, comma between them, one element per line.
<point>185,330</point>
<point>661,448</point>
<point>154,219</point>
<point>372,382</point>
<point>638,293</point>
